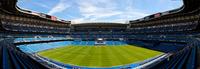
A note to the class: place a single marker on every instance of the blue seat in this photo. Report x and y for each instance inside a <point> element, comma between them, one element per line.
<point>5,58</point>
<point>192,59</point>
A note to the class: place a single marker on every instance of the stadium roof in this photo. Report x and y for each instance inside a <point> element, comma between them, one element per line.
<point>99,24</point>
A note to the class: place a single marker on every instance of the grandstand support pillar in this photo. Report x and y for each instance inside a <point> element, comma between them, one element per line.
<point>198,53</point>
<point>198,57</point>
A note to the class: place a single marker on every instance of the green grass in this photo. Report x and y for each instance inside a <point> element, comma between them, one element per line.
<point>99,56</point>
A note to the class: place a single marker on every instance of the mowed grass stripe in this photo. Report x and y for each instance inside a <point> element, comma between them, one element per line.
<point>134,56</point>
<point>64,55</point>
<point>130,55</point>
<point>99,56</point>
<point>120,55</point>
<point>68,58</point>
<point>82,59</point>
<point>82,53</point>
<point>57,54</point>
<point>88,59</point>
<point>113,56</point>
<point>105,57</point>
<point>56,51</point>
<point>142,52</point>
<point>139,54</point>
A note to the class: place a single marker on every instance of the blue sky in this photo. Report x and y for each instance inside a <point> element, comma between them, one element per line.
<point>80,11</point>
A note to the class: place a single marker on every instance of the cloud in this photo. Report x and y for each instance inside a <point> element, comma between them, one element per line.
<point>42,5</point>
<point>104,10</point>
<point>131,14</point>
<point>61,6</point>
<point>94,10</point>
<point>31,2</point>
<point>101,10</point>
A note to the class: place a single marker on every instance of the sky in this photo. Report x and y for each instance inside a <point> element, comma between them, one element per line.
<point>82,11</point>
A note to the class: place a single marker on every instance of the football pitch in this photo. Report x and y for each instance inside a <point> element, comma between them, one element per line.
<point>99,56</point>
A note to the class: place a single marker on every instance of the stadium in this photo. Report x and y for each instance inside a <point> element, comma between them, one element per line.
<point>165,40</point>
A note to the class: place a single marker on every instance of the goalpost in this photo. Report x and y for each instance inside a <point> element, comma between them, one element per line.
<point>100,41</point>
